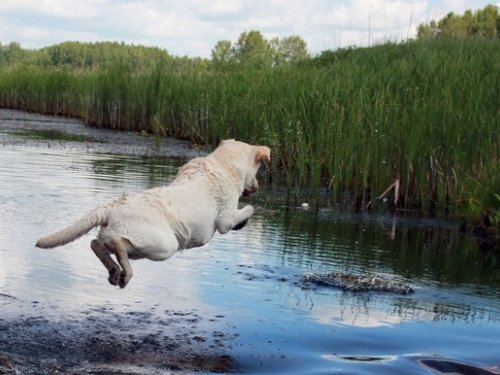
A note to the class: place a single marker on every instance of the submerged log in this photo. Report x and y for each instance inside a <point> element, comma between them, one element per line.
<point>357,283</point>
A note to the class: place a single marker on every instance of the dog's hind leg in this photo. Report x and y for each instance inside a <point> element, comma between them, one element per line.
<point>113,268</point>
<point>120,247</point>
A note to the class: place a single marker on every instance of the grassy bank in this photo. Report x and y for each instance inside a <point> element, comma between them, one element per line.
<point>353,122</point>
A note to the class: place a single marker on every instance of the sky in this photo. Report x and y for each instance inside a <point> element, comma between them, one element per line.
<point>193,27</point>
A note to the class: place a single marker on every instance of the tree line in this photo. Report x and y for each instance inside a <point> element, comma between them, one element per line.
<point>251,50</point>
<point>482,23</point>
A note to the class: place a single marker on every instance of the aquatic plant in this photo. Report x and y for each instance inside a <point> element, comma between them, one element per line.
<point>419,117</point>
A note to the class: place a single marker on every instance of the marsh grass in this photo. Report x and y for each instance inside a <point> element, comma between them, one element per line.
<point>423,113</point>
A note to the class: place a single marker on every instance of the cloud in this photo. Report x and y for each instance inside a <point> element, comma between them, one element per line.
<point>193,27</point>
<point>54,8</point>
<point>220,9</point>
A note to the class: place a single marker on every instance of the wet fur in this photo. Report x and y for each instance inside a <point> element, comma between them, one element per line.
<point>156,223</point>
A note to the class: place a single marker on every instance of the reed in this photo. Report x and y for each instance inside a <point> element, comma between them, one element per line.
<point>425,114</point>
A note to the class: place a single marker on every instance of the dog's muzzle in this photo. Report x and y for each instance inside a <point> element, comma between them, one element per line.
<point>248,192</point>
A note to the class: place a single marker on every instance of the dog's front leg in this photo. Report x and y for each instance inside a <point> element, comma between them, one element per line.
<point>242,217</point>
<point>234,220</point>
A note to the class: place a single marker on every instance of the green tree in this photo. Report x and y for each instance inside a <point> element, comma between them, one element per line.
<point>291,49</point>
<point>13,53</point>
<point>253,50</point>
<point>223,54</point>
<point>427,31</point>
<point>453,26</point>
<point>485,22</point>
<point>482,23</point>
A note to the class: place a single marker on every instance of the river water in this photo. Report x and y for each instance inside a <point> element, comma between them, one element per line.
<point>237,304</point>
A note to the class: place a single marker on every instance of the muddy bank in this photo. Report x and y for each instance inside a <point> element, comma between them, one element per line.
<point>35,130</point>
<point>103,341</point>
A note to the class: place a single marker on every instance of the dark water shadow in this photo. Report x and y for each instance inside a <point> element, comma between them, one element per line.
<point>443,366</point>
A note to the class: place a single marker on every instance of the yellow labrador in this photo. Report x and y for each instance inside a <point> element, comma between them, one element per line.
<point>154,224</point>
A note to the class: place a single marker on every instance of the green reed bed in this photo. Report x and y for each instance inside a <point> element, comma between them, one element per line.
<point>425,114</point>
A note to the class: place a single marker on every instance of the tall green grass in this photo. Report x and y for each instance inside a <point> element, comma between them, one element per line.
<point>424,113</point>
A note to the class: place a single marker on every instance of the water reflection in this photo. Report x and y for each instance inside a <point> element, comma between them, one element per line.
<point>150,171</point>
<point>431,251</point>
<point>451,276</point>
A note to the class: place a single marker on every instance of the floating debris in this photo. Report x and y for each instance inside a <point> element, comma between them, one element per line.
<point>357,283</point>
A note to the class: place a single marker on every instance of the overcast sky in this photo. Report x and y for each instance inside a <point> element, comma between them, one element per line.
<point>193,27</point>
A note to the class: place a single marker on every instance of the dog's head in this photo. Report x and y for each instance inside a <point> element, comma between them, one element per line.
<point>247,159</point>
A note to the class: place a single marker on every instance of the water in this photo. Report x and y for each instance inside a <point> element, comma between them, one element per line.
<point>238,303</point>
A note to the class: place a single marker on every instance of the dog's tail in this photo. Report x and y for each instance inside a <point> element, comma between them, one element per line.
<point>94,218</point>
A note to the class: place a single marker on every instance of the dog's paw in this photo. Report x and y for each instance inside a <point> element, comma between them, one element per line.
<point>124,279</point>
<point>114,276</point>
<point>241,224</point>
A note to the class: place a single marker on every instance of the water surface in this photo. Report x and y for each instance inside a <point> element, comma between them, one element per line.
<point>238,303</point>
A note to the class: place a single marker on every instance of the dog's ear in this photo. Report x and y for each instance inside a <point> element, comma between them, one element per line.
<point>263,153</point>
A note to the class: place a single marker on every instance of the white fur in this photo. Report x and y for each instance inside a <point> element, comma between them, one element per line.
<point>156,223</point>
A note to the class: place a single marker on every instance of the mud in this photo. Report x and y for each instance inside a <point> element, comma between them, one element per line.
<point>102,341</point>
<point>35,130</point>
